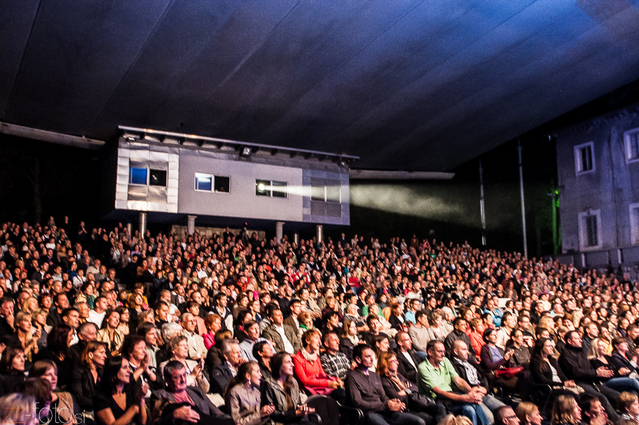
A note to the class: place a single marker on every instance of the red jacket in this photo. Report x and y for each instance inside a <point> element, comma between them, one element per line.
<point>311,375</point>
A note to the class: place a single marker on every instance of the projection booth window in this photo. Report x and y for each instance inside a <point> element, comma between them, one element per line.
<point>271,188</point>
<point>137,175</point>
<point>158,178</point>
<point>210,183</point>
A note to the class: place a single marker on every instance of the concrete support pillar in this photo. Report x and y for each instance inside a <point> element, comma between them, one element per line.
<point>142,224</point>
<point>319,231</point>
<point>190,226</point>
<point>296,239</point>
<point>279,231</point>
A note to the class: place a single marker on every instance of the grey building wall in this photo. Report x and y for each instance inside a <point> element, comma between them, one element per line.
<point>609,189</point>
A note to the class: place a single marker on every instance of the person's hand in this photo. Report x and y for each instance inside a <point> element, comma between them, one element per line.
<point>508,354</point>
<point>10,320</point>
<point>302,410</point>
<point>267,410</point>
<point>473,397</point>
<point>480,390</point>
<point>187,414</point>
<point>570,384</point>
<point>604,372</point>
<point>624,371</point>
<point>37,334</point>
<point>395,405</point>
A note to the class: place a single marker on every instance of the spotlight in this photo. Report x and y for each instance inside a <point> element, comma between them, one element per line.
<point>246,151</point>
<point>261,187</point>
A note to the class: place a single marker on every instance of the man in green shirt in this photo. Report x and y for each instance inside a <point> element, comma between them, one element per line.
<point>436,376</point>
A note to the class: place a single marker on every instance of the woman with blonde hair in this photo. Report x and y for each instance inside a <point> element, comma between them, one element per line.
<point>528,414</point>
<point>629,406</point>
<point>565,411</point>
<point>451,419</point>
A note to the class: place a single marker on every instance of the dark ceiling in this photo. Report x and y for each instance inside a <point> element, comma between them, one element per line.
<point>404,84</point>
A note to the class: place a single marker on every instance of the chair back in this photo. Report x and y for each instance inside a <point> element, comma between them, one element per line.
<point>326,408</point>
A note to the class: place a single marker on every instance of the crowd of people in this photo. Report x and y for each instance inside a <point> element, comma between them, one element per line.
<point>106,327</point>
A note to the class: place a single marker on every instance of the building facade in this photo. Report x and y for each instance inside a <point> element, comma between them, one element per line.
<point>189,176</point>
<point>598,176</point>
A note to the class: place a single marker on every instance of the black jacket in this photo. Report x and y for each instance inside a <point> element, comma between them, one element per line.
<point>220,377</point>
<point>201,404</point>
<point>619,361</point>
<point>405,368</point>
<point>576,366</point>
<point>541,373</point>
<point>83,388</point>
<point>391,390</point>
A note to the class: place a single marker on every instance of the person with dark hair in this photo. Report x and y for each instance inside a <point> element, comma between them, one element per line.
<point>243,398</point>
<point>118,403</point>
<point>283,393</point>
<point>459,333</point>
<point>243,317</point>
<point>96,315</point>
<point>546,370</point>
<point>85,377</point>
<point>61,302</point>
<point>364,390</point>
<point>110,334</point>
<point>57,349</point>
<point>593,411</point>
<point>40,390</point>
<point>11,368</point>
<point>494,358</point>
<point>284,338</point>
<point>63,406</point>
<point>134,350</point>
<point>187,404</point>
<point>263,353</point>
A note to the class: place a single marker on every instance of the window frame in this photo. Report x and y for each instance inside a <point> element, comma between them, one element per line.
<point>583,230</point>
<point>212,177</point>
<point>634,224</point>
<point>269,192</point>
<point>578,158</point>
<point>627,142</point>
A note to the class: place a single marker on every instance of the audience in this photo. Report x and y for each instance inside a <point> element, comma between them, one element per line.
<point>462,321</point>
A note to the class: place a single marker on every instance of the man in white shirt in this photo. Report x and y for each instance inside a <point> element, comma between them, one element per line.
<point>508,323</point>
<point>97,315</point>
<point>197,350</point>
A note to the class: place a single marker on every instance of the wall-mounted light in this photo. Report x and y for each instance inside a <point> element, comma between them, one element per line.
<point>246,151</point>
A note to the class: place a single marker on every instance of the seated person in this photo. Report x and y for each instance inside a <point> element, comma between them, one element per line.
<point>283,393</point>
<point>397,386</point>
<point>593,413</point>
<point>308,368</point>
<point>364,390</point>
<point>629,406</point>
<point>222,374</point>
<point>472,374</point>
<point>187,404</point>
<point>334,362</point>
<point>243,398</point>
<point>436,376</point>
